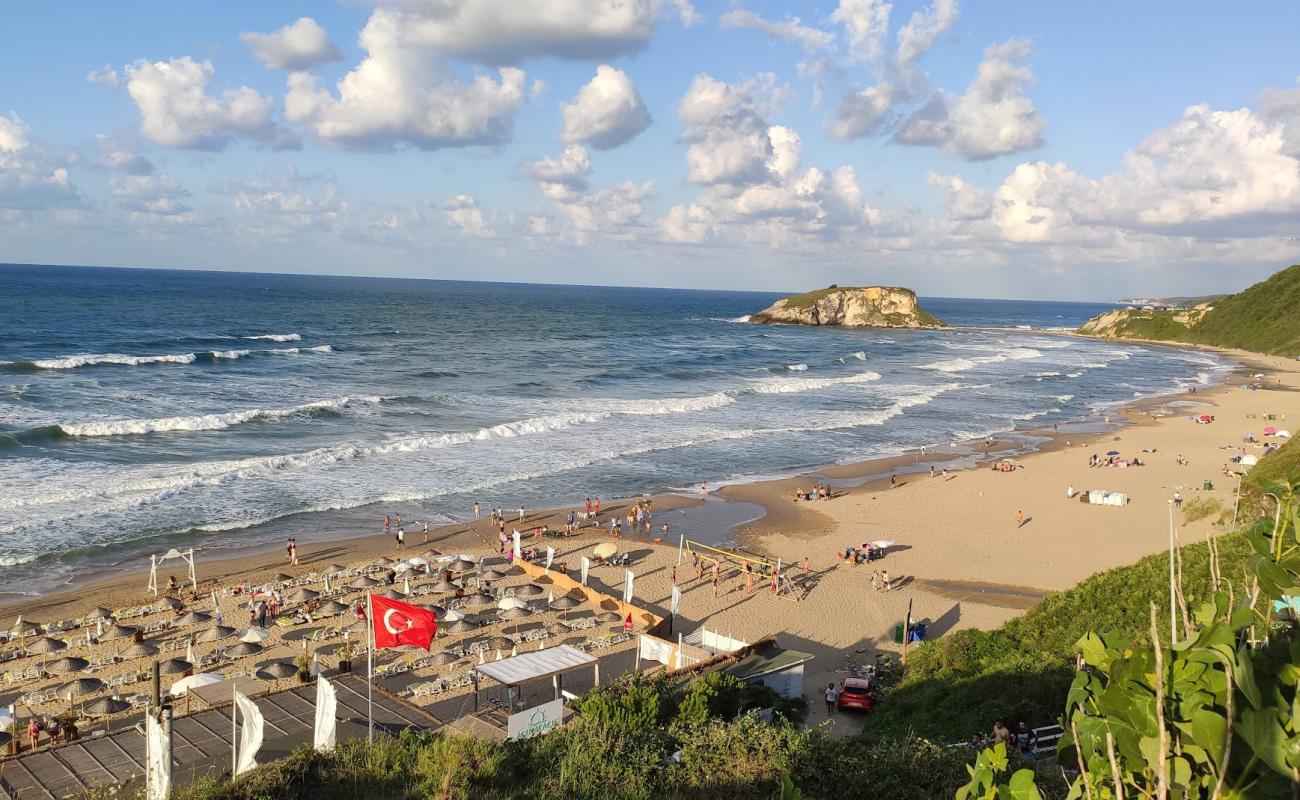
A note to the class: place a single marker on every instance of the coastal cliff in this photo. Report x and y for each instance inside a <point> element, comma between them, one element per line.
<point>1262,319</point>
<point>855,307</point>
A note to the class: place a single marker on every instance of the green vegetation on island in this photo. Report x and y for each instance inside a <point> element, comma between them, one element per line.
<point>851,306</point>
<point>1264,318</point>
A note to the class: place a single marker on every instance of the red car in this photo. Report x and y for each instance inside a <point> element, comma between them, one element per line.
<point>855,693</point>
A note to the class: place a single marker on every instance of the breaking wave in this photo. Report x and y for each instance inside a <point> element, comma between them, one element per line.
<point>277,337</point>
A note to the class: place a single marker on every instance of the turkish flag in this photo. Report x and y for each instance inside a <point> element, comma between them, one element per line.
<point>398,624</point>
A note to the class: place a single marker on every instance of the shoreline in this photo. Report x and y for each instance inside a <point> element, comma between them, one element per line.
<point>766,497</point>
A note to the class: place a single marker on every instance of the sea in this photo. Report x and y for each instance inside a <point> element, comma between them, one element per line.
<point>142,410</point>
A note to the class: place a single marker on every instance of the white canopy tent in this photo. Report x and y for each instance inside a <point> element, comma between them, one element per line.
<point>186,557</point>
<point>551,662</point>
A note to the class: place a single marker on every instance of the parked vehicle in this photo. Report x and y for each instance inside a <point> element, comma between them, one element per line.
<point>855,693</point>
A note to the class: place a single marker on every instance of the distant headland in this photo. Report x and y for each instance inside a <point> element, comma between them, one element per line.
<point>853,307</point>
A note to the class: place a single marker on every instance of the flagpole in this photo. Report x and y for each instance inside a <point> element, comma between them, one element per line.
<point>370,668</point>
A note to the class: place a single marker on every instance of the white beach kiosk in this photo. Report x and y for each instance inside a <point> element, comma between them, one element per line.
<point>515,671</point>
<point>186,557</point>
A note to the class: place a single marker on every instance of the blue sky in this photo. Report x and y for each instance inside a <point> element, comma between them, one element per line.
<point>1006,149</point>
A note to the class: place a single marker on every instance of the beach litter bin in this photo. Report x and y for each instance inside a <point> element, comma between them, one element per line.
<point>1208,486</point>
<point>898,633</point>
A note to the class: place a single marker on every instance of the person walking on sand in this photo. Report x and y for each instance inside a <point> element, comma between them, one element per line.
<point>831,696</point>
<point>889,584</point>
<point>893,481</point>
<point>1020,519</point>
<point>521,513</point>
<point>477,512</point>
<point>875,581</point>
<point>931,470</point>
<point>387,523</point>
<point>596,506</point>
<point>502,538</point>
<point>1178,500</point>
<point>426,531</point>
<point>806,567</point>
<point>401,537</point>
<point>749,577</point>
<point>717,576</point>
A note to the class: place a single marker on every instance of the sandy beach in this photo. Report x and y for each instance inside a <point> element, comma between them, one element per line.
<point>960,557</point>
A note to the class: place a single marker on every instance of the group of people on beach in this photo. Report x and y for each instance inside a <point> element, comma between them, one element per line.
<point>820,492</point>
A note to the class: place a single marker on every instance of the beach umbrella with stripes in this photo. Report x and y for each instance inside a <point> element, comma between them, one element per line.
<point>175,666</point>
<point>118,632</point>
<point>140,650</point>
<point>194,618</point>
<point>215,633</point>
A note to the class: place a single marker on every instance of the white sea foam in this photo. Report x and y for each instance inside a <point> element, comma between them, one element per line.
<point>1064,398</point>
<point>861,356</point>
<point>89,359</point>
<point>797,367</point>
<point>324,348</point>
<point>278,337</point>
<point>1073,374</point>
<point>964,364</point>
<point>1048,374</point>
<point>795,385</point>
<point>230,354</point>
<point>208,422</point>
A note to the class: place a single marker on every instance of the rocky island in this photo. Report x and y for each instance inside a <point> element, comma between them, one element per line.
<point>854,307</point>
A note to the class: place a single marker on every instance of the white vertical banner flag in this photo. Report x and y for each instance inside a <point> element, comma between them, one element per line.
<point>250,735</point>
<point>628,577</point>
<point>519,553</point>
<point>586,565</point>
<point>189,653</point>
<point>550,557</point>
<point>327,583</point>
<point>159,766</point>
<point>677,600</point>
<point>326,716</point>
<point>216,610</point>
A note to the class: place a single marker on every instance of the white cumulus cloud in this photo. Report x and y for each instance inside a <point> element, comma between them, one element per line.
<point>607,112</point>
<point>867,23</point>
<point>29,178</point>
<point>965,201</point>
<point>402,94</point>
<point>177,111</point>
<point>300,45</point>
<point>863,111</point>
<point>104,76</point>
<point>500,32</point>
<point>918,37</point>
<point>464,214</point>
<point>791,29</point>
<point>991,118</point>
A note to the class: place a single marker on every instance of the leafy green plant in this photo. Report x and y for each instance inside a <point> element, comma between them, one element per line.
<point>1213,713</point>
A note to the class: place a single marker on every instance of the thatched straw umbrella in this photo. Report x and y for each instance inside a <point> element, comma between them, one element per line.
<point>175,666</point>
<point>141,650</point>
<point>363,582</point>
<point>609,616</point>
<point>105,706</point>
<point>303,595</point>
<point>65,665</point>
<point>275,671</point>
<point>215,633</point>
<point>194,618</point>
<point>244,649</point>
<point>118,632</point>
<point>529,590</point>
<point>332,607</point>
